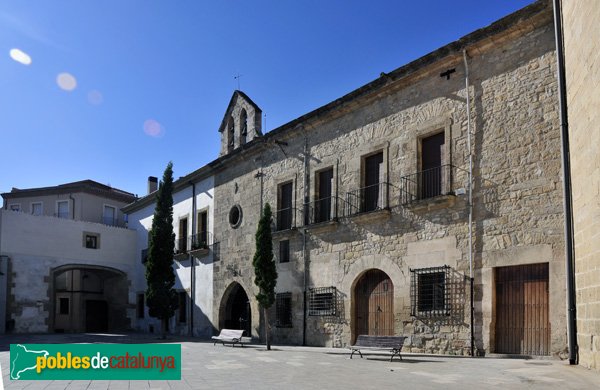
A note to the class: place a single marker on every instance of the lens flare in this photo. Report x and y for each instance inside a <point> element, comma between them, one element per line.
<point>20,56</point>
<point>66,81</point>
<point>153,128</point>
<point>95,97</point>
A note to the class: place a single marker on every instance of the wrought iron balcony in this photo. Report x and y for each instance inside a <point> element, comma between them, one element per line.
<point>200,243</point>
<point>285,219</point>
<point>181,245</point>
<point>427,184</point>
<point>367,199</point>
<point>321,210</point>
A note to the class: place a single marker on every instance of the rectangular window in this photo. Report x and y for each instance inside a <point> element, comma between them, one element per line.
<point>202,235</point>
<point>181,244</point>
<point>140,307</point>
<point>284,206</point>
<point>431,178</point>
<point>283,310</point>
<point>37,208</point>
<point>372,191</point>
<point>15,207</point>
<point>91,241</point>
<point>109,215</point>
<point>284,251</point>
<point>63,306</point>
<point>322,301</point>
<point>62,209</point>
<point>182,306</point>
<point>324,182</point>
<point>429,291</point>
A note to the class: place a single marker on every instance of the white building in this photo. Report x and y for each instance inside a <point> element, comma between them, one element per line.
<point>195,247</point>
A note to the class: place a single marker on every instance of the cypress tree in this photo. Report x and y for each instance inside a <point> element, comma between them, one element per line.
<point>161,298</point>
<point>265,270</point>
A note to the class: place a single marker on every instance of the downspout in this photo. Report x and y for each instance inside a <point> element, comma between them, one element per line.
<point>304,252</point>
<point>470,203</point>
<point>192,260</point>
<point>567,191</point>
<point>73,202</point>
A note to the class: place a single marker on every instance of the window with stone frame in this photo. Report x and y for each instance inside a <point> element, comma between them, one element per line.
<point>284,251</point>
<point>322,301</point>
<point>283,310</point>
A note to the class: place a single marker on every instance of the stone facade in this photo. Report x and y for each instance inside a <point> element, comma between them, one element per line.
<point>581,32</point>
<point>517,202</point>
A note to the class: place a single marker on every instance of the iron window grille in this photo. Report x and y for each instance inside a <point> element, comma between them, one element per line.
<point>437,292</point>
<point>322,301</point>
<point>283,310</point>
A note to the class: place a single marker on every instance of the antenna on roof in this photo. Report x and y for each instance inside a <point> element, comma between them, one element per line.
<point>237,77</point>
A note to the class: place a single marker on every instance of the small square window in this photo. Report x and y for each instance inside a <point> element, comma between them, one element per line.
<point>91,240</point>
<point>430,293</point>
<point>322,301</point>
<point>284,251</point>
<point>36,208</point>
<point>15,207</point>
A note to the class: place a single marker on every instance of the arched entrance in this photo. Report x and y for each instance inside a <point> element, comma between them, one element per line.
<point>235,310</point>
<point>89,299</point>
<point>373,298</point>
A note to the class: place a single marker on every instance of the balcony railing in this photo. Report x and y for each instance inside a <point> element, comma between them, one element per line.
<point>285,219</point>
<point>181,245</point>
<point>366,199</point>
<point>201,240</point>
<point>321,210</point>
<point>112,221</point>
<point>427,184</point>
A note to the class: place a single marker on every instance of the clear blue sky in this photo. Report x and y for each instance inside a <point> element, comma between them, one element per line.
<point>173,63</point>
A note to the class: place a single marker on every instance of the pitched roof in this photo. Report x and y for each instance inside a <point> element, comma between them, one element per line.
<point>87,186</point>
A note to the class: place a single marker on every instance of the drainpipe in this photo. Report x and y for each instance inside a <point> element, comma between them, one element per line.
<point>73,202</point>
<point>192,260</point>
<point>567,192</point>
<point>470,203</point>
<point>304,252</point>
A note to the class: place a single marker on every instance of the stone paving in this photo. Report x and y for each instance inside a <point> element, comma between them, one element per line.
<point>205,366</point>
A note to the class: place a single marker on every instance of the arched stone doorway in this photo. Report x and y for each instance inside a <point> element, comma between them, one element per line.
<point>89,299</point>
<point>373,304</point>
<point>234,311</point>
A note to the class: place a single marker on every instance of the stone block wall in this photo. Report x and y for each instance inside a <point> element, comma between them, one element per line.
<point>582,48</point>
<point>517,198</point>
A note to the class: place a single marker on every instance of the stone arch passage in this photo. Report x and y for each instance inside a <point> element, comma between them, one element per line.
<point>373,304</point>
<point>234,311</point>
<point>89,299</point>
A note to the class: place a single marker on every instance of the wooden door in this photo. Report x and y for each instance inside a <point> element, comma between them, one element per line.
<point>284,209</point>
<point>431,162</point>
<point>372,179</point>
<point>323,203</point>
<point>522,322</point>
<point>374,302</point>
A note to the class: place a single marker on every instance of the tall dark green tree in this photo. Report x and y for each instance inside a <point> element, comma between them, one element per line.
<point>265,270</point>
<point>161,298</point>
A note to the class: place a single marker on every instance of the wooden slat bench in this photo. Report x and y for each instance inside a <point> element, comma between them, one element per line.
<point>231,336</point>
<point>391,343</point>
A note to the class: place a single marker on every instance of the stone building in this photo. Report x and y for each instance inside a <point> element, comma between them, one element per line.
<point>371,200</point>
<point>581,44</point>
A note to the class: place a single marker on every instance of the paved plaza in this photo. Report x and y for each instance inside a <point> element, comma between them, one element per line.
<point>205,366</point>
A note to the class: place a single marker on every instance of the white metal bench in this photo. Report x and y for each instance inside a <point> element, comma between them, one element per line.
<point>231,336</point>
<point>391,343</point>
